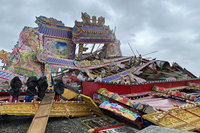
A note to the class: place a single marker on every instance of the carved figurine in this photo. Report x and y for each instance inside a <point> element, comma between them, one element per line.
<point>94,20</point>
<point>86,18</point>
<point>122,79</point>
<point>101,21</point>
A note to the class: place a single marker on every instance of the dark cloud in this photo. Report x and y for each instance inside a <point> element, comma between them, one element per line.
<point>169,26</point>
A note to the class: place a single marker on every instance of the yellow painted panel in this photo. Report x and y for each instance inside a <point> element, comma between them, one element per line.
<point>75,109</point>
<point>69,94</point>
<point>188,122</point>
<point>92,105</point>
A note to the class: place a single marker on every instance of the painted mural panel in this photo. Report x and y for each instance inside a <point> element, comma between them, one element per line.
<point>22,58</point>
<point>28,39</point>
<point>113,50</point>
<point>59,48</point>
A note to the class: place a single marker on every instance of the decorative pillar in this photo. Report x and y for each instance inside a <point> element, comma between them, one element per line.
<point>47,73</point>
<point>105,47</point>
<point>80,52</point>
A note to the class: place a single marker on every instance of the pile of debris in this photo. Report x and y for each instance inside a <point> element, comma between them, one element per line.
<point>94,78</point>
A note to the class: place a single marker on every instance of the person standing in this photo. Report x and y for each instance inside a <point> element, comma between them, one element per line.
<point>65,79</point>
<point>25,78</point>
<point>31,90</point>
<point>14,92</point>
<point>58,88</point>
<point>42,85</point>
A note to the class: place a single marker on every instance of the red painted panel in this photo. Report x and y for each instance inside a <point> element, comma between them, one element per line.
<point>89,88</point>
<point>141,88</point>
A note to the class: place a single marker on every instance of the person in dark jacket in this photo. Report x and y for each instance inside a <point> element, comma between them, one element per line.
<point>58,88</point>
<point>31,88</point>
<point>14,92</point>
<point>42,85</point>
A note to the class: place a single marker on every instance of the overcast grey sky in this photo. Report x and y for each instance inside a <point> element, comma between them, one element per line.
<point>170,26</point>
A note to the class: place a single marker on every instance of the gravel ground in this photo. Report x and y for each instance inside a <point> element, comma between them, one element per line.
<point>14,124</point>
<point>65,125</point>
<point>20,124</point>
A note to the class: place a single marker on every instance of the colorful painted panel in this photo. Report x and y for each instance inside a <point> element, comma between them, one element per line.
<point>92,32</point>
<point>28,40</point>
<point>177,94</point>
<point>8,76</point>
<point>49,21</point>
<point>119,110</point>
<point>195,85</point>
<point>54,28</point>
<point>113,50</point>
<point>22,59</point>
<point>116,76</point>
<point>99,99</point>
<point>22,71</point>
<point>55,32</point>
<point>120,99</point>
<point>59,48</point>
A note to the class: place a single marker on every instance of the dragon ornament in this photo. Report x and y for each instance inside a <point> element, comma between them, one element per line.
<point>4,55</point>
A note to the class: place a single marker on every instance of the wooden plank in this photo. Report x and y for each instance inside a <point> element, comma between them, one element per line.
<point>40,120</point>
